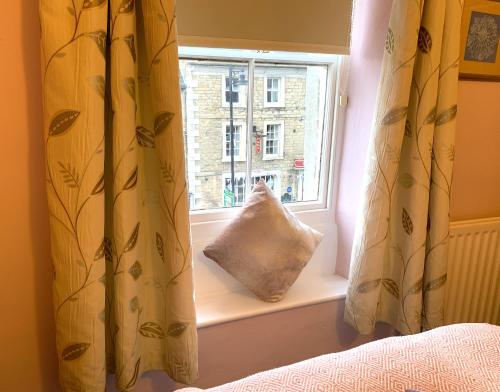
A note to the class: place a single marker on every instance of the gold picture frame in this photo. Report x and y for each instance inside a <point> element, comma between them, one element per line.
<point>480,40</point>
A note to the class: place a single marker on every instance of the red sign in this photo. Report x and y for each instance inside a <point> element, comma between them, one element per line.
<point>258,145</point>
<point>298,163</point>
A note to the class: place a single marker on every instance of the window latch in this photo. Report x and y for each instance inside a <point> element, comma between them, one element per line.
<point>343,100</point>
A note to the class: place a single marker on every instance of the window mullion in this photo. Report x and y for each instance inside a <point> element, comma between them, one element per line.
<point>249,135</point>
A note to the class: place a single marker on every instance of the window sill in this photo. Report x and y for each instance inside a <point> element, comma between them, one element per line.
<point>236,159</point>
<point>235,105</point>
<point>223,307</point>
<point>272,157</point>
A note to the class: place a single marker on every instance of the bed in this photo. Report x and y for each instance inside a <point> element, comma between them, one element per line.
<point>460,357</point>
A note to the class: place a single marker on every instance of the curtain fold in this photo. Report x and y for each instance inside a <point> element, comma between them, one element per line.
<point>399,255</point>
<point>120,237</point>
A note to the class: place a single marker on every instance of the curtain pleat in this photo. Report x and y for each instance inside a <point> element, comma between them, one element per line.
<point>399,256</point>
<point>120,238</point>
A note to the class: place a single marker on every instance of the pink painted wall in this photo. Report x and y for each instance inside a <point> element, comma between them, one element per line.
<point>237,349</point>
<point>476,183</point>
<point>368,36</point>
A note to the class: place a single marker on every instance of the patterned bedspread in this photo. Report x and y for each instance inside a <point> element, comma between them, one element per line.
<point>460,357</point>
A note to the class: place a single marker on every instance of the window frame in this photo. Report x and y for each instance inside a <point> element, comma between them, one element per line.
<point>241,157</point>
<point>320,210</point>
<point>281,141</point>
<point>281,92</point>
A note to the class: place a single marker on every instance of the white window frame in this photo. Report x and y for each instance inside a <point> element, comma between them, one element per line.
<point>241,157</point>
<point>333,122</point>
<point>281,92</point>
<point>281,141</point>
<point>242,94</point>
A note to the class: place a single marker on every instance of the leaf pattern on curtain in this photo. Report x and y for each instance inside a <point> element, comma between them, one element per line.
<point>120,239</point>
<point>399,256</point>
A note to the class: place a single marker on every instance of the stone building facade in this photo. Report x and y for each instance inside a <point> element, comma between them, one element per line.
<point>277,138</point>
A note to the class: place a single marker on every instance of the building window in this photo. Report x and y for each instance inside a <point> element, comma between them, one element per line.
<point>236,92</point>
<point>239,89</point>
<point>271,179</point>
<point>239,142</point>
<point>239,188</point>
<point>273,140</point>
<point>274,91</point>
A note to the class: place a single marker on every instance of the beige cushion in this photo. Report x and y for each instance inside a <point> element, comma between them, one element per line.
<point>265,247</point>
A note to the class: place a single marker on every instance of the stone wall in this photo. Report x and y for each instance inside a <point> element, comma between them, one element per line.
<point>206,113</point>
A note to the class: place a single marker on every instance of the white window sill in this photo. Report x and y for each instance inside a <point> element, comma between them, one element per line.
<point>236,159</point>
<point>221,308</point>
<point>235,105</point>
<point>269,105</point>
<point>221,298</point>
<point>271,157</point>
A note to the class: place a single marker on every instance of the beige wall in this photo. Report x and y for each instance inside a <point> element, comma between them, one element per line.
<point>28,359</point>
<point>476,180</point>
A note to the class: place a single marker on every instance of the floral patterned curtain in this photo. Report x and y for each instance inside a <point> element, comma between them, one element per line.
<point>398,261</point>
<point>123,290</point>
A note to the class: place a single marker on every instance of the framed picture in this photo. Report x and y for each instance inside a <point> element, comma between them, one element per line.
<point>480,40</point>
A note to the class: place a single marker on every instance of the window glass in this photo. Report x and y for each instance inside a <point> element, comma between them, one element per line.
<point>272,94</point>
<point>206,123</point>
<point>273,133</point>
<point>286,140</point>
<point>239,188</point>
<point>237,141</point>
<point>236,91</point>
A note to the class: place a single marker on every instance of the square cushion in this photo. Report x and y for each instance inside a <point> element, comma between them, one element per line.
<point>265,246</point>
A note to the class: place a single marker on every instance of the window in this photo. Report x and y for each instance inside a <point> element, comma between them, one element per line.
<point>239,187</point>
<point>274,92</point>
<point>239,86</point>
<point>239,142</point>
<point>291,145</point>
<point>273,140</point>
<point>271,179</point>
<point>236,91</point>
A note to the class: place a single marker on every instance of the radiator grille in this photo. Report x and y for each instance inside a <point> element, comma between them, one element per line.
<point>473,284</point>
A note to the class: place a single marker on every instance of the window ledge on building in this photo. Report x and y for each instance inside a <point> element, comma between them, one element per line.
<point>236,159</point>
<point>272,157</point>
<point>223,307</point>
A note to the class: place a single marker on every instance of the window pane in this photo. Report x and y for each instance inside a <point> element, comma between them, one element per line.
<point>206,105</point>
<point>295,166</point>
<point>286,140</point>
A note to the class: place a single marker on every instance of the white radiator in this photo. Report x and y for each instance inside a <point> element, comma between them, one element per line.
<point>473,283</point>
